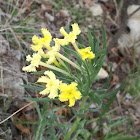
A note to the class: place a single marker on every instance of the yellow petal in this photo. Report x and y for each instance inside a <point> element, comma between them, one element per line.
<point>69,92</point>
<point>71,102</point>
<point>53,94</point>
<point>35,59</point>
<point>86,53</point>
<point>36,47</point>
<point>63,32</point>
<point>29,68</point>
<point>42,79</point>
<point>76,29</point>
<point>72,37</point>
<point>35,40</point>
<point>44,92</point>
<point>50,74</point>
<point>63,97</point>
<point>28,58</point>
<point>77,95</point>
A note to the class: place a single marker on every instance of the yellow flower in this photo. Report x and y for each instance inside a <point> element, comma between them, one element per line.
<point>47,38</point>
<point>63,32</point>
<point>71,37</point>
<point>46,34</point>
<point>86,53</point>
<point>35,40</point>
<point>69,92</point>
<point>76,29</point>
<point>52,84</point>
<point>41,53</point>
<point>40,42</point>
<point>61,41</point>
<point>36,47</point>
<point>29,68</point>
<point>35,60</point>
<point>52,54</point>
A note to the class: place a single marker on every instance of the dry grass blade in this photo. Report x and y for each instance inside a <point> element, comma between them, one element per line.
<point>16,112</point>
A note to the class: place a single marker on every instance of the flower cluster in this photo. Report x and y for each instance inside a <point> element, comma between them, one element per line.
<point>69,92</point>
<point>53,60</point>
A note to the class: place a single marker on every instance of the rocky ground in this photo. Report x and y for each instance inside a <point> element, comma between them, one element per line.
<point>20,20</point>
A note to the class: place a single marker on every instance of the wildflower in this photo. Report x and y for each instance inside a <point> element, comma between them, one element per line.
<point>52,54</point>
<point>36,47</point>
<point>71,37</point>
<point>41,53</point>
<point>86,53</point>
<point>40,42</point>
<point>52,84</point>
<point>35,60</point>
<point>76,29</point>
<point>69,92</point>
<point>47,38</point>
<point>35,40</point>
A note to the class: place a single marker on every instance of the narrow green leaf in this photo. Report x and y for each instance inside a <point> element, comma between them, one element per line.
<point>109,79</point>
<point>109,94</point>
<point>94,37</point>
<point>80,46</point>
<point>35,84</point>
<point>68,28</point>
<point>32,87</point>
<point>97,100</point>
<point>90,40</point>
<point>98,91</point>
<point>106,108</point>
<point>39,72</point>
<point>38,111</point>
<point>97,67</point>
<point>96,47</point>
<point>102,52</point>
<point>80,39</point>
<point>40,99</point>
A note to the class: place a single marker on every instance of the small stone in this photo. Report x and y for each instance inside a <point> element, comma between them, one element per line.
<point>93,106</point>
<point>96,10</point>
<point>102,74</point>
<point>49,16</point>
<point>134,25</point>
<point>64,13</point>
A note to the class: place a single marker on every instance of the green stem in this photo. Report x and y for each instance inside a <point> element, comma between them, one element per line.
<point>86,67</point>
<point>69,61</point>
<point>54,68</point>
<point>41,126</point>
<point>38,130</point>
<point>75,46</point>
<point>63,64</point>
<point>68,135</point>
